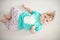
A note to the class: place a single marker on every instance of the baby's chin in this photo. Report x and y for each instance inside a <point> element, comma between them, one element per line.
<point>45,23</point>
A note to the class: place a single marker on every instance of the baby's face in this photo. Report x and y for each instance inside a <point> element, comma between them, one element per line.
<point>45,18</point>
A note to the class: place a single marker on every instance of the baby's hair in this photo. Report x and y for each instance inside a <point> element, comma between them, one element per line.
<point>51,15</point>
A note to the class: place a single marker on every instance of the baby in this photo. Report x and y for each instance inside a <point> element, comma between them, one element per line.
<point>17,19</point>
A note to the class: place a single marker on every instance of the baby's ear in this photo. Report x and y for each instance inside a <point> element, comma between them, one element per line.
<point>53,12</point>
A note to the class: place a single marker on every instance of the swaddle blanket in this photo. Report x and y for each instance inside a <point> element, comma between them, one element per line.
<point>24,20</point>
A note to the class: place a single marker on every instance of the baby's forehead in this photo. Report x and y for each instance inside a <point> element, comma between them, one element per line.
<point>44,14</point>
<point>48,14</point>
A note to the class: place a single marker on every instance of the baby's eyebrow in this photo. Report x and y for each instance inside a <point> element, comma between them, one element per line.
<point>48,14</point>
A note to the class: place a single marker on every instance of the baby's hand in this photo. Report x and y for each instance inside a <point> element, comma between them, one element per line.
<point>33,29</point>
<point>23,5</point>
<point>6,18</point>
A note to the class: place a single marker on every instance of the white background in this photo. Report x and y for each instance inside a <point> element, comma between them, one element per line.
<point>49,32</point>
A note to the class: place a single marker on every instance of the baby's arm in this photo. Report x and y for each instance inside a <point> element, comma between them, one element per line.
<point>27,8</point>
